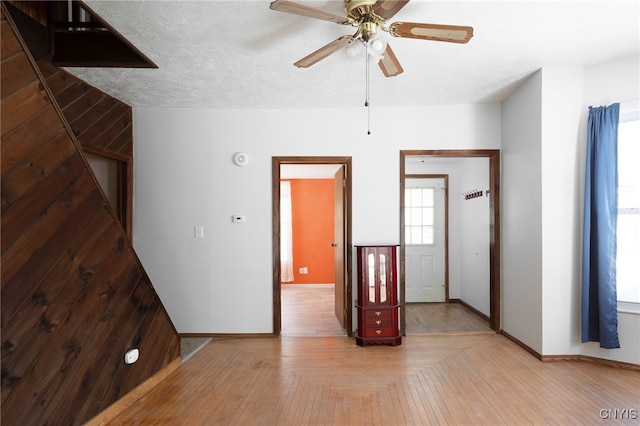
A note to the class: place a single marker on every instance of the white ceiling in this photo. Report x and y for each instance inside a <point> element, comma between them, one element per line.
<point>240,54</point>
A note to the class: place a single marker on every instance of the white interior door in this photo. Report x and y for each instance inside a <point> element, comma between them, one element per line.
<point>425,240</point>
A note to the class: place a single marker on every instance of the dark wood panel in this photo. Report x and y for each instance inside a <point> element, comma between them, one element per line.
<point>52,303</point>
<point>9,45</point>
<point>120,126</point>
<point>86,120</point>
<point>71,395</point>
<point>58,80</point>
<point>20,105</point>
<point>113,115</point>
<point>74,90</point>
<point>74,296</point>
<point>147,314</point>
<point>33,133</point>
<point>104,126</point>
<point>53,298</point>
<point>30,262</point>
<point>51,72</point>
<point>20,179</point>
<point>18,74</point>
<point>18,217</point>
<point>106,376</point>
<point>84,105</point>
<point>35,9</point>
<point>123,142</point>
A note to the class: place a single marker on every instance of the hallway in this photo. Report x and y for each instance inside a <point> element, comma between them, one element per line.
<point>308,311</point>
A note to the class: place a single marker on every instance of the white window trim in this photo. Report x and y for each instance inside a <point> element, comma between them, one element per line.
<point>629,308</point>
<point>630,111</point>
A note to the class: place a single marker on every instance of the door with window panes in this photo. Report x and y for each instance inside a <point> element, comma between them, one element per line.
<point>425,240</point>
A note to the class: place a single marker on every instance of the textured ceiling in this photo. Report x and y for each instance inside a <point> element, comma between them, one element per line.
<point>240,54</point>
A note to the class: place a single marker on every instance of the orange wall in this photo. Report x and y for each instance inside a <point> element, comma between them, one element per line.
<point>312,215</point>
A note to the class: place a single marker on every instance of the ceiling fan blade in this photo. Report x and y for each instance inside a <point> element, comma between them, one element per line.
<point>389,63</point>
<point>324,51</point>
<point>304,10</point>
<point>449,33</point>
<point>387,8</point>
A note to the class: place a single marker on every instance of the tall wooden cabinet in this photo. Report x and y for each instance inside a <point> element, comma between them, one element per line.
<point>377,302</point>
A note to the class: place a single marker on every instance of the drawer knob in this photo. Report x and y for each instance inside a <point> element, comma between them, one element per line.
<point>378,332</point>
<point>378,322</point>
<point>378,313</point>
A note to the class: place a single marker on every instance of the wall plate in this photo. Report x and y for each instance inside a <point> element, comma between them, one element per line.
<point>240,159</point>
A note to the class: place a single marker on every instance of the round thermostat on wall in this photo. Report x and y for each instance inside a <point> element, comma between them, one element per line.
<point>240,159</point>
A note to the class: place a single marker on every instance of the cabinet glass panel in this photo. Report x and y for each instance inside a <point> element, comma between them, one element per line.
<point>383,278</point>
<point>371,266</point>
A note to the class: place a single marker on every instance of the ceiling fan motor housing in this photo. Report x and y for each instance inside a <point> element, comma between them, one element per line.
<point>368,28</point>
<point>361,13</point>
<point>356,8</point>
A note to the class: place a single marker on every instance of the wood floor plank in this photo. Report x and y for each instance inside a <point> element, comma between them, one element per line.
<point>429,379</point>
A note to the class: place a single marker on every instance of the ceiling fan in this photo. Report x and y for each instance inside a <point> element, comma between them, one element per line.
<point>369,16</point>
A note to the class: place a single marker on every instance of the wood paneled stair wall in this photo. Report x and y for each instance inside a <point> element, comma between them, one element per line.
<point>74,295</point>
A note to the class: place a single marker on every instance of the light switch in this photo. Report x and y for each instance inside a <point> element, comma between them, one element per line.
<point>198,232</point>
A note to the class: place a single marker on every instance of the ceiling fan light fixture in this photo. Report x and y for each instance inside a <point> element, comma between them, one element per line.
<point>376,46</point>
<point>354,50</point>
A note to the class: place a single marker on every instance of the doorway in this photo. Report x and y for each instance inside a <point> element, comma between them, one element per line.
<point>341,244</point>
<point>426,221</point>
<point>492,195</point>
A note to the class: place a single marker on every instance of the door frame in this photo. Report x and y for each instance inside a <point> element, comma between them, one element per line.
<point>444,177</point>
<point>276,162</point>
<point>494,225</point>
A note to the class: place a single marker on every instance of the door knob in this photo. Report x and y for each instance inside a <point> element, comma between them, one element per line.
<point>334,245</point>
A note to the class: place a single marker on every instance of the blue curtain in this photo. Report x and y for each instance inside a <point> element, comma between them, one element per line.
<point>599,304</point>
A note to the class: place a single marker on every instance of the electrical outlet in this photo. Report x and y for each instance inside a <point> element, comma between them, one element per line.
<point>131,356</point>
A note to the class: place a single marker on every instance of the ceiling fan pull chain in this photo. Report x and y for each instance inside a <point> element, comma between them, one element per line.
<point>366,102</point>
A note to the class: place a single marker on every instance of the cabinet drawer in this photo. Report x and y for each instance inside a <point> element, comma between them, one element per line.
<point>374,314</point>
<point>379,332</point>
<point>378,322</point>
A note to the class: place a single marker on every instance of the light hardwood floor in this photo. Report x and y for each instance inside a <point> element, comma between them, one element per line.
<point>308,310</point>
<point>452,379</point>
<point>443,318</point>
<point>482,379</point>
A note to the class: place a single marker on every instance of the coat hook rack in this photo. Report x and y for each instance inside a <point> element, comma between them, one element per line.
<point>472,194</point>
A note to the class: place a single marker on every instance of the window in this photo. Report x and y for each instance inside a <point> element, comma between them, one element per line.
<point>419,216</point>
<point>286,233</point>
<point>628,255</point>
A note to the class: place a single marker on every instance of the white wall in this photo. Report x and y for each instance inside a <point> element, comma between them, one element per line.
<point>543,153</point>
<point>560,162</point>
<point>185,177</point>
<point>521,223</point>
<point>475,235</point>
<point>222,283</point>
